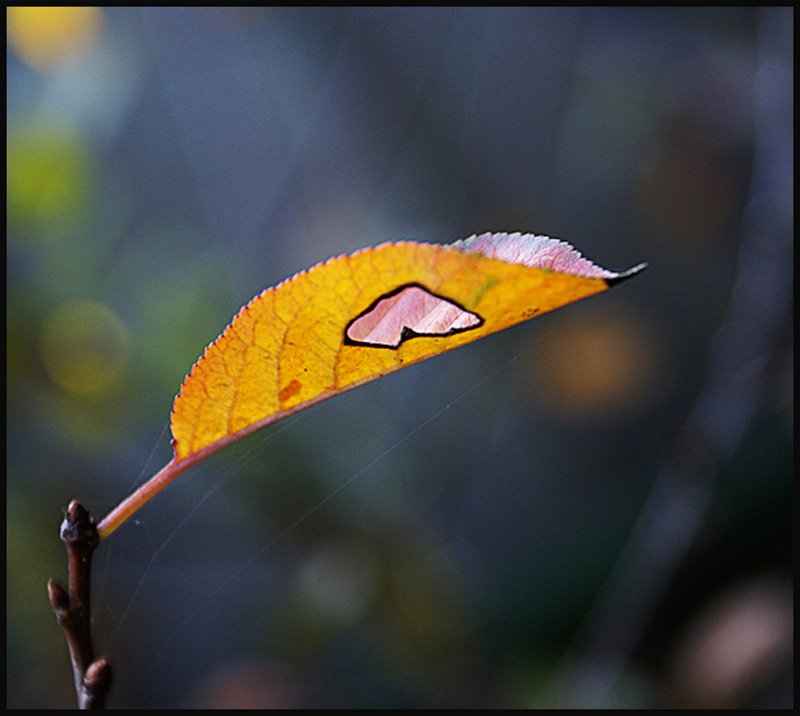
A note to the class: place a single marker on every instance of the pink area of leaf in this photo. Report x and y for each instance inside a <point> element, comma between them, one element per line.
<point>411,311</point>
<point>536,252</point>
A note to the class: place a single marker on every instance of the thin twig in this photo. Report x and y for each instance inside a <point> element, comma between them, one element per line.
<point>92,677</point>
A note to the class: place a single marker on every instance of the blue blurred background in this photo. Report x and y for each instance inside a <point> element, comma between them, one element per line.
<point>591,509</point>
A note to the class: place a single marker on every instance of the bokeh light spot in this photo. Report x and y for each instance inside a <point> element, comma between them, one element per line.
<point>43,37</point>
<point>50,180</point>
<point>84,347</point>
<point>594,369</point>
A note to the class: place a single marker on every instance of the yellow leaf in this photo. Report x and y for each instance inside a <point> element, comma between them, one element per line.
<point>356,318</point>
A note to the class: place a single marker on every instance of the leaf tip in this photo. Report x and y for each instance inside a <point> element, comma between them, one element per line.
<point>625,275</point>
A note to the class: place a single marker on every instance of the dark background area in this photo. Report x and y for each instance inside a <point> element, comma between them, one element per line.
<point>591,509</point>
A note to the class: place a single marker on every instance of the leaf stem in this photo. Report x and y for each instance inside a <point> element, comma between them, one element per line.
<point>176,467</point>
<point>138,498</point>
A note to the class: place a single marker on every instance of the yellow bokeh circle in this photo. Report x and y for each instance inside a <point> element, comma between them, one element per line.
<point>84,347</point>
<point>43,37</point>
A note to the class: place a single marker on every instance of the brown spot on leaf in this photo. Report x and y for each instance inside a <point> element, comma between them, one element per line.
<point>291,389</point>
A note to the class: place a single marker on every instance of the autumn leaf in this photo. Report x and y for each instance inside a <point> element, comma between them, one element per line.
<point>355,318</point>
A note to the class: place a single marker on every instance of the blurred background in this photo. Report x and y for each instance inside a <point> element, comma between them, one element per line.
<point>591,509</point>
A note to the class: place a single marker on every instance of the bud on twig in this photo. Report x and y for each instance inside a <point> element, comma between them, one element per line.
<point>98,676</point>
<point>59,599</point>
